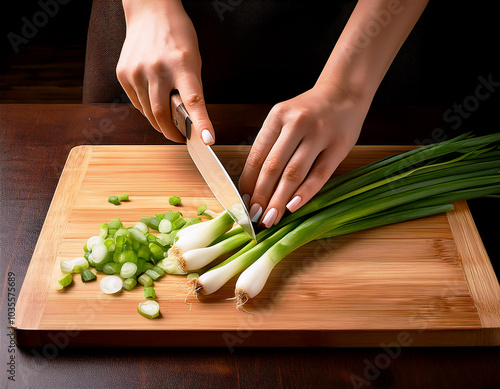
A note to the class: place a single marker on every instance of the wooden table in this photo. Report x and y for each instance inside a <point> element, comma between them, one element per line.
<point>34,143</point>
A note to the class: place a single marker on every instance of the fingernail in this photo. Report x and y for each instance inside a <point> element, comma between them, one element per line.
<point>270,218</point>
<point>255,212</point>
<point>207,137</point>
<point>294,204</point>
<point>246,199</point>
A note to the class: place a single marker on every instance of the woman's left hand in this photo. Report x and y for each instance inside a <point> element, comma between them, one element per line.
<point>300,145</point>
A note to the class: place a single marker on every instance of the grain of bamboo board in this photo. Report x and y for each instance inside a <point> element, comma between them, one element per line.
<point>427,282</point>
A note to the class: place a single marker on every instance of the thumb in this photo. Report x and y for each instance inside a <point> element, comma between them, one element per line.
<point>191,93</point>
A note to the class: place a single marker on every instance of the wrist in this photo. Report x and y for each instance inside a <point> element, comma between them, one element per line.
<point>134,9</point>
<point>341,91</point>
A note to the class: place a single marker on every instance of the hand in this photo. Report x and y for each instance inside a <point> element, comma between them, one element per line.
<point>160,53</point>
<point>301,143</point>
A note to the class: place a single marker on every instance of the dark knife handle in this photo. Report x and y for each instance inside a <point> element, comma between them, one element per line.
<point>180,116</point>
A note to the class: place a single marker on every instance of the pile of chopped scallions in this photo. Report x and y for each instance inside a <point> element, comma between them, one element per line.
<point>419,183</point>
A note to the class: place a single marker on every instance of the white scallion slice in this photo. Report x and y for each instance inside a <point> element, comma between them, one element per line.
<point>99,253</point>
<point>111,284</point>
<point>149,309</point>
<point>165,226</point>
<point>76,265</point>
<point>142,227</point>
<point>92,241</point>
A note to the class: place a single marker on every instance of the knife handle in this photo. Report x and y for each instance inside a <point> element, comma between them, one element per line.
<point>180,116</point>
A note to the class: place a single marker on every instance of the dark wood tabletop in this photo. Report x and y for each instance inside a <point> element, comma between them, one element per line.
<point>34,143</point>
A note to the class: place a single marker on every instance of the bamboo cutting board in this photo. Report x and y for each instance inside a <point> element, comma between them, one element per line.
<point>427,282</point>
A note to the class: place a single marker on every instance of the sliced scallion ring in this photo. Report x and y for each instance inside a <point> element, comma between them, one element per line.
<point>111,284</point>
<point>149,309</point>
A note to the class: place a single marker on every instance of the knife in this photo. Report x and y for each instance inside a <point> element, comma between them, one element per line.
<point>210,167</point>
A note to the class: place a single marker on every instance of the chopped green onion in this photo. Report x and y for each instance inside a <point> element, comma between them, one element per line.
<point>147,266</point>
<point>178,224</point>
<point>145,280</point>
<point>156,251</point>
<point>155,273</point>
<point>149,293</point>
<point>140,266</point>
<point>166,239</point>
<point>145,219</point>
<point>114,200</point>
<point>151,238</point>
<point>202,208</point>
<point>123,197</point>
<point>99,253</point>
<point>103,230</point>
<point>142,227</point>
<point>76,265</point>
<point>88,275</point>
<point>110,244</point>
<point>112,231</point>
<point>129,283</point>
<point>122,232</point>
<point>192,221</point>
<point>174,200</point>
<point>138,235</point>
<point>87,255</point>
<point>128,270</point>
<point>127,256</point>
<point>85,248</point>
<point>111,284</point>
<point>115,223</point>
<point>153,223</point>
<point>165,226</point>
<point>112,268</point>
<point>144,252</point>
<point>92,241</point>
<point>149,309</point>
<point>171,216</point>
<point>65,280</point>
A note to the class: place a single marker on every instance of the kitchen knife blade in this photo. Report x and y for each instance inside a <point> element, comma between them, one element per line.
<point>210,167</point>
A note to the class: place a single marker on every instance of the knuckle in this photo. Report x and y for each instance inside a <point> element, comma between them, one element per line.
<point>321,173</point>
<point>293,173</point>
<point>278,109</point>
<point>179,57</point>
<point>255,160</point>
<point>194,100</point>
<point>271,166</point>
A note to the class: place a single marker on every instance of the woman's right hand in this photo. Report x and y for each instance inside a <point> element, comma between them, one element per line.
<point>160,54</point>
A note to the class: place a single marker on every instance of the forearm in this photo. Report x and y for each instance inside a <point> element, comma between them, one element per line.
<point>368,44</point>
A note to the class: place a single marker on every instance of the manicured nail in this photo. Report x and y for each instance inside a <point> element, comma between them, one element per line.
<point>246,199</point>
<point>255,212</point>
<point>207,137</point>
<point>294,204</point>
<point>270,218</point>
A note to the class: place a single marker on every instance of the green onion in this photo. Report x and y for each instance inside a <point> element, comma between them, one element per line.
<point>115,224</point>
<point>99,253</point>
<point>178,224</point>
<point>192,221</point>
<point>151,238</point>
<point>140,266</point>
<point>142,227</point>
<point>129,283</point>
<point>123,197</point>
<point>111,284</point>
<point>114,200</point>
<point>88,275</point>
<point>138,235</point>
<point>112,231</point>
<point>166,239</point>
<point>149,309</point>
<point>127,256</point>
<point>144,251</point>
<point>145,280</point>
<point>149,293</point>
<point>171,216</point>
<point>110,244</point>
<point>128,270</point>
<point>65,280</point>
<point>103,230</point>
<point>85,248</point>
<point>156,251</point>
<point>165,226</point>
<point>147,266</point>
<point>76,265</point>
<point>201,209</point>
<point>145,219</point>
<point>153,223</point>
<point>111,268</point>
<point>174,200</point>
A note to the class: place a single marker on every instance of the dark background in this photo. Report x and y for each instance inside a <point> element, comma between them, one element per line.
<point>268,51</point>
